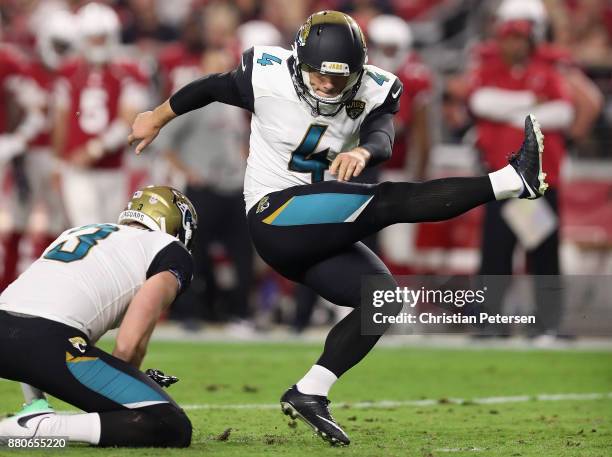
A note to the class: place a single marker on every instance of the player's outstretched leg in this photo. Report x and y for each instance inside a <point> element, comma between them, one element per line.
<point>302,225</point>
<point>442,199</point>
<point>302,230</point>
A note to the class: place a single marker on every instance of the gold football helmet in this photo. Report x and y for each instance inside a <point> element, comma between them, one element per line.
<point>163,208</point>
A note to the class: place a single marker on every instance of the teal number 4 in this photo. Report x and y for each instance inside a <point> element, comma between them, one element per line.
<point>305,160</point>
<point>86,241</point>
<point>268,59</point>
<point>377,77</point>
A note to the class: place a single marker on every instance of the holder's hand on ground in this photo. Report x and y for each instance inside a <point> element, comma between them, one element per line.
<point>349,164</point>
<point>160,378</point>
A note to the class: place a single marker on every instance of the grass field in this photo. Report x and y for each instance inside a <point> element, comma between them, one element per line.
<point>237,385</point>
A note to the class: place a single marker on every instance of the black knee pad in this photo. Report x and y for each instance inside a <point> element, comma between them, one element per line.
<point>179,427</point>
<point>163,425</point>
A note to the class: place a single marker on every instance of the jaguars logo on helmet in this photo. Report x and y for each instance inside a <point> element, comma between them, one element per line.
<point>329,42</point>
<point>163,208</point>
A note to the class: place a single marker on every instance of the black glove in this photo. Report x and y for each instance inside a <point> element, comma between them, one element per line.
<point>160,378</point>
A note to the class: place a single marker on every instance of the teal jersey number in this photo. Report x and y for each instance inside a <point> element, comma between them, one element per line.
<point>86,242</point>
<point>268,59</point>
<point>377,77</point>
<point>304,159</point>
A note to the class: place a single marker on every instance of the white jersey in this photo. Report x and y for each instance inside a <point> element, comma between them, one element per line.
<point>87,278</point>
<point>286,138</point>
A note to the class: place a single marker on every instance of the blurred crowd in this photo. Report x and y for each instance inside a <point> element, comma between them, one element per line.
<point>74,73</point>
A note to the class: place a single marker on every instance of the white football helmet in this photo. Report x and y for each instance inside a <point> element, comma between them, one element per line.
<point>533,11</point>
<point>99,29</point>
<point>258,33</point>
<point>390,41</point>
<point>56,38</point>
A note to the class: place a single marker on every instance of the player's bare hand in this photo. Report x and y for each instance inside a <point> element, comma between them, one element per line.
<point>144,130</point>
<point>147,125</point>
<point>349,164</point>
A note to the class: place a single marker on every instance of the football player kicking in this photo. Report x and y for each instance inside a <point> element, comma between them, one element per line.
<point>92,279</point>
<point>317,105</point>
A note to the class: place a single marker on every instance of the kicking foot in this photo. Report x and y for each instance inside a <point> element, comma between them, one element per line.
<point>528,161</point>
<point>313,410</point>
<point>25,423</point>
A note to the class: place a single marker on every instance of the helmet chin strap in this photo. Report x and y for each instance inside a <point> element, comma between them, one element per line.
<point>185,223</point>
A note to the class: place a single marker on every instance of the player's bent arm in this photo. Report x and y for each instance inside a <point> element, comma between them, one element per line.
<point>375,146</point>
<point>232,88</point>
<point>551,115</point>
<point>377,130</point>
<point>498,104</point>
<point>145,309</point>
<point>588,102</point>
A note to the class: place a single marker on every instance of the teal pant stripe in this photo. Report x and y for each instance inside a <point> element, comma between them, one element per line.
<point>327,208</point>
<point>111,383</point>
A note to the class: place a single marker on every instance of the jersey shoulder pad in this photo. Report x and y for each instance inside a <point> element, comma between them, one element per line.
<point>270,71</point>
<point>377,85</point>
<point>176,259</point>
<point>270,56</point>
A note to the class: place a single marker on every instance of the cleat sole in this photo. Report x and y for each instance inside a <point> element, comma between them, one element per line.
<point>289,410</point>
<point>543,185</point>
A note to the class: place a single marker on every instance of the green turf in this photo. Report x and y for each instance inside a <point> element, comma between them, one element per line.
<point>236,373</point>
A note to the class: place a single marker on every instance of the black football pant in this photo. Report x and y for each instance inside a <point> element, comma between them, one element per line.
<point>311,234</point>
<point>497,252</point>
<point>59,360</point>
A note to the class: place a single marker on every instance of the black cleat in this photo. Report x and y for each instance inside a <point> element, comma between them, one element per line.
<point>528,161</point>
<point>313,410</point>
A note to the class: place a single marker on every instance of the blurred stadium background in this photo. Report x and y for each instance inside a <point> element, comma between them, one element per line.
<point>173,42</point>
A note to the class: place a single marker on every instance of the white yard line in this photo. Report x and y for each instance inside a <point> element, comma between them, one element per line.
<point>389,404</point>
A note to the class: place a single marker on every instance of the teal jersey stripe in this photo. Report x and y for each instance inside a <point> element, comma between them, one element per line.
<point>327,208</point>
<point>111,383</point>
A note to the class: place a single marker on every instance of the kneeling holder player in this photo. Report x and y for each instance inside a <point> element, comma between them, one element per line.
<point>92,279</point>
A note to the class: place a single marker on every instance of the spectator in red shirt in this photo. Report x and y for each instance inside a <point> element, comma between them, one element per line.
<point>390,41</point>
<point>37,168</point>
<point>391,49</point>
<point>510,79</point>
<point>97,96</point>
